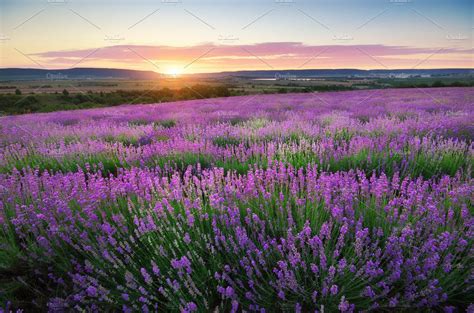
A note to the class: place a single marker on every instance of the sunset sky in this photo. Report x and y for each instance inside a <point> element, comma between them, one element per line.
<point>174,36</point>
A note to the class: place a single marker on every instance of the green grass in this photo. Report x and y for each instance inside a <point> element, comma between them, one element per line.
<point>224,142</point>
<point>407,163</point>
<point>165,123</point>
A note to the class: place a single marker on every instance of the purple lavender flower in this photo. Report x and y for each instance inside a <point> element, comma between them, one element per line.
<point>91,291</point>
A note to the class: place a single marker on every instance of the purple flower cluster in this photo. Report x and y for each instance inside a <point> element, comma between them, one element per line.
<point>310,224</point>
<point>328,128</point>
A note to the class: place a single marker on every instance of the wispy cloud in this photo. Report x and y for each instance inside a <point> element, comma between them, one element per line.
<point>212,57</point>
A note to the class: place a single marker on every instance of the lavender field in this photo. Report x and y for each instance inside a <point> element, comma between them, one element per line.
<point>347,201</point>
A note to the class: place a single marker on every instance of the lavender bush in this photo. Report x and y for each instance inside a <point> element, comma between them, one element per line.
<point>348,201</point>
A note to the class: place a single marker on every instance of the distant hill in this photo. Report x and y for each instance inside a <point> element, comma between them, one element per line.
<point>112,73</point>
<point>342,73</point>
<point>74,73</point>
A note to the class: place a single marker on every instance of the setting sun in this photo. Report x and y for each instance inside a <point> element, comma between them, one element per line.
<point>175,72</point>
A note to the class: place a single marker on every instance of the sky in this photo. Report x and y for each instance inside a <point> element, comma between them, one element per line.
<point>180,36</point>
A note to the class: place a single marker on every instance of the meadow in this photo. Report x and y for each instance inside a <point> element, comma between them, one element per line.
<point>338,201</point>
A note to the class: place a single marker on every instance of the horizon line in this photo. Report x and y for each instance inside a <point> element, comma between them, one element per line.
<point>243,70</point>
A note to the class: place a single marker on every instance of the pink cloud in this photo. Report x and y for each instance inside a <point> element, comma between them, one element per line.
<point>263,55</point>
